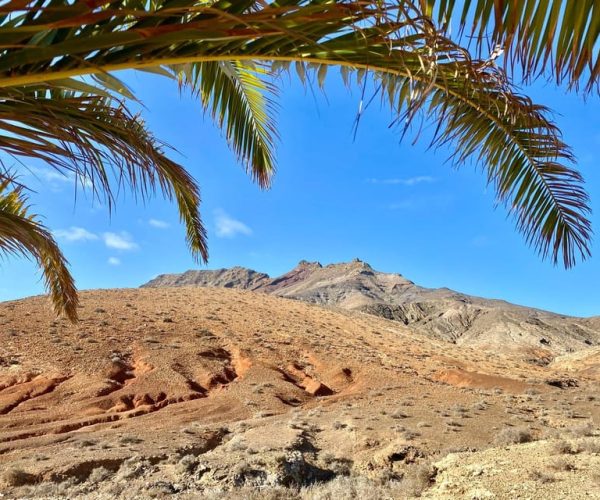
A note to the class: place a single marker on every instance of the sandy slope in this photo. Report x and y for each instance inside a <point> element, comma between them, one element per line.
<point>184,390</point>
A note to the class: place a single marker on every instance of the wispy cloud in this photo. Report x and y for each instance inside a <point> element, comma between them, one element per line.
<point>160,224</point>
<point>423,203</point>
<point>58,177</point>
<point>228,227</point>
<point>75,234</point>
<point>480,241</point>
<point>408,181</point>
<point>119,241</point>
<point>113,261</point>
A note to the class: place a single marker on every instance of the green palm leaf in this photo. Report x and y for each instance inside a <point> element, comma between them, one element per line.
<point>558,36</point>
<point>22,234</point>
<point>241,102</point>
<point>102,144</point>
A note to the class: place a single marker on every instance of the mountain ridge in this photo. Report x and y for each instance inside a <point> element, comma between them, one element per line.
<point>441,313</point>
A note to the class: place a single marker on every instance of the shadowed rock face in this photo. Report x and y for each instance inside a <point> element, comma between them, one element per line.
<point>441,313</point>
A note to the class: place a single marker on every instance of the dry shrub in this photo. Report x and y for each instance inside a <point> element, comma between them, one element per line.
<point>590,446</point>
<point>563,447</point>
<point>417,479</point>
<point>561,464</point>
<point>18,477</point>
<point>513,435</point>
<point>541,477</point>
<point>583,430</point>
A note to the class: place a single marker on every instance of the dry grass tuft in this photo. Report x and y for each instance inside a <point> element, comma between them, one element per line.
<point>514,435</point>
<point>18,477</point>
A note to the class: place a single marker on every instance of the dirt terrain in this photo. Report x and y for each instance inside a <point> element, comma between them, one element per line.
<point>197,392</point>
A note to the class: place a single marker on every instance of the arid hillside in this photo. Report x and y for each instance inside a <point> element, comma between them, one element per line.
<point>217,393</point>
<point>439,313</point>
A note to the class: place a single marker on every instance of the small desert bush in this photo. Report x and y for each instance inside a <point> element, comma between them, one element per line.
<point>350,488</point>
<point>590,446</point>
<point>582,430</point>
<point>98,475</point>
<point>480,406</point>
<point>561,464</point>
<point>18,477</point>
<point>399,414</point>
<point>541,477</point>
<point>417,480</point>
<point>513,435</point>
<point>563,447</point>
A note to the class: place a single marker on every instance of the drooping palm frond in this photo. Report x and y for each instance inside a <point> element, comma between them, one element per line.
<point>512,139</point>
<point>22,234</point>
<point>102,144</point>
<point>387,38</point>
<point>481,116</point>
<point>241,101</point>
<point>558,36</point>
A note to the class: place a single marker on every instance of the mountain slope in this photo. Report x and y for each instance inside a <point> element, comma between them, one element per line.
<point>441,313</point>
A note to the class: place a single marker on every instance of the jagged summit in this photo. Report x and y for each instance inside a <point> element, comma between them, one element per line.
<point>305,263</point>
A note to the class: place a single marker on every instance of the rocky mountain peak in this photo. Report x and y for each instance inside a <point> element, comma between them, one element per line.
<point>441,313</point>
<point>305,264</point>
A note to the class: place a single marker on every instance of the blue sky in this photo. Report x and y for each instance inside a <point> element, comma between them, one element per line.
<point>395,205</point>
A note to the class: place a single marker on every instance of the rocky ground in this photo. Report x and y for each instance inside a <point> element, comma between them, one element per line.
<point>203,392</point>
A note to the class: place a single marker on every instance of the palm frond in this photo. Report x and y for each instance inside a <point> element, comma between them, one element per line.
<point>481,116</point>
<point>102,144</point>
<point>22,234</point>
<point>512,139</point>
<point>241,100</point>
<point>559,36</point>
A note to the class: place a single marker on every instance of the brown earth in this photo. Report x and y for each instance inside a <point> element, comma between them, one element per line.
<point>235,394</point>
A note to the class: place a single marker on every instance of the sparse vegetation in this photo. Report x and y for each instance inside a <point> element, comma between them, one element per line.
<point>18,477</point>
<point>561,464</point>
<point>513,435</point>
<point>541,477</point>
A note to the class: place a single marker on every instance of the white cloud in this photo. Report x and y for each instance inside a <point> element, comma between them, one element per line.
<point>75,234</point>
<point>409,181</point>
<point>119,241</point>
<point>113,261</point>
<point>423,204</point>
<point>56,177</point>
<point>50,175</point>
<point>228,227</point>
<point>480,241</point>
<point>160,224</point>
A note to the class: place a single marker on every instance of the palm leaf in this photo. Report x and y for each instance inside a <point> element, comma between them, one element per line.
<point>241,102</point>
<point>22,234</point>
<point>102,144</point>
<point>559,36</point>
<point>386,38</point>
<point>519,147</point>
